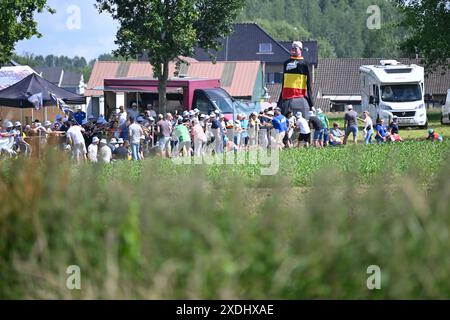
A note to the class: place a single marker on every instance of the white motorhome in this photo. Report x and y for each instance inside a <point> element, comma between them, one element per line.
<point>394,89</point>
<point>445,119</point>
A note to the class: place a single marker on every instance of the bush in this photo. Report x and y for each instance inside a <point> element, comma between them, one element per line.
<point>156,231</point>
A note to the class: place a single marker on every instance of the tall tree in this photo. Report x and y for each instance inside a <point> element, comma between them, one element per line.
<point>169,29</point>
<point>428,24</point>
<point>17,23</point>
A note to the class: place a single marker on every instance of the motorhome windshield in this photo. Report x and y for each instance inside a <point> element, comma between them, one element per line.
<point>401,93</point>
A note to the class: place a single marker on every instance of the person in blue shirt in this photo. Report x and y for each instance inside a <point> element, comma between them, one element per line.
<point>79,116</point>
<point>280,124</point>
<point>381,132</point>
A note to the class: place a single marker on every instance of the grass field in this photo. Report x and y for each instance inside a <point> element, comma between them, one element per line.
<point>156,230</point>
<point>434,119</point>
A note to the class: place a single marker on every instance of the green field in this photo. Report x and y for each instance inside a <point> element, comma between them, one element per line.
<point>434,119</point>
<point>156,230</point>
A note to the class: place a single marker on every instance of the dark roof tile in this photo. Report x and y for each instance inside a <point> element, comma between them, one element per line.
<point>341,76</point>
<point>243,45</point>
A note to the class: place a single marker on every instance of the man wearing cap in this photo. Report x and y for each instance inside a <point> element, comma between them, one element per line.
<point>112,144</point>
<point>93,150</point>
<point>8,135</point>
<point>296,90</point>
<point>280,124</point>
<point>121,152</point>
<point>122,116</point>
<point>316,124</point>
<point>305,130</point>
<point>326,126</point>
<point>104,152</point>
<point>79,116</point>
<point>216,129</point>
<point>133,112</point>
<point>76,140</point>
<point>351,124</point>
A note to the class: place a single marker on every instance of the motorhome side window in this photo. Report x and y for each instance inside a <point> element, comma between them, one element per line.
<point>376,92</point>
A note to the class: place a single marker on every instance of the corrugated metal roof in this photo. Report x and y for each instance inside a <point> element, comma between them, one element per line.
<point>244,79</point>
<point>240,77</point>
<point>102,70</point>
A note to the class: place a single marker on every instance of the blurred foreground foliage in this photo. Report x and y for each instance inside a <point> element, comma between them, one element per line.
<point>156,231</point>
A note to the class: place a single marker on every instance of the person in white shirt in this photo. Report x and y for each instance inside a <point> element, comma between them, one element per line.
<point>76,140</point>
<point>305,130</point>
<point>93,150</point>
<point>104,152</point>
<point>122,116</point>
<point>368,127</point>
<point>135,133</point>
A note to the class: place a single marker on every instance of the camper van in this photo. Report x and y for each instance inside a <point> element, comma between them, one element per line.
<point>445,119</point>
<point>394,89</point>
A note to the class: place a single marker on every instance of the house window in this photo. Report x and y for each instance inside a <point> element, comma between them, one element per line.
<point>272,78</point>
<point>265,48</point>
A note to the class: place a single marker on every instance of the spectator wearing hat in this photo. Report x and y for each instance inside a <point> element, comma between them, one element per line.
<point>304,137</point>
<point>184,138</point>
<point>104,152</point>
<point>121,152</point>
<point>199,137</point>
<point>112,144</point>
<point>317,125</point>
<point>280,125</point>
<point>21,143</point>
<point>244,130</point>
<point>122,116</point>
<point>48,127</point>
<point>351,125</point>
<point>296,89</point>
<point>133,111</point>
<point>326,126</point>
<point>135,133</point>
<point>76,140</point>
<point>217,133</point>
<point>265,128</point>
<point>393,127</point>
<point>93,150</point>
<point>79,116</point>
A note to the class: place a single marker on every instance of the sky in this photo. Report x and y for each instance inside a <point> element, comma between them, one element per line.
<point>76,29</point>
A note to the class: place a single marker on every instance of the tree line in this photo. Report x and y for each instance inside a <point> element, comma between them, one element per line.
<point>339,26</point>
